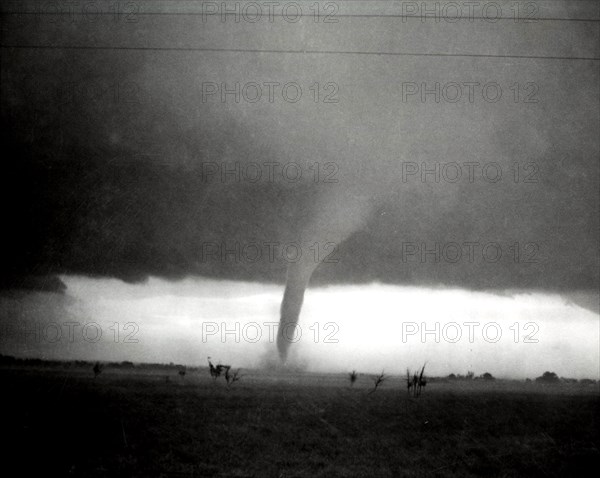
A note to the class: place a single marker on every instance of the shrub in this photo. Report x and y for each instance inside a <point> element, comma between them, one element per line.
<point>378,381</point>
<point>548,377</point>
<point>232,378</point>
<point>97,369</point>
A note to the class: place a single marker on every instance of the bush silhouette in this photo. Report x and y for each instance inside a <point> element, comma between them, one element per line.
<point>548,377</point>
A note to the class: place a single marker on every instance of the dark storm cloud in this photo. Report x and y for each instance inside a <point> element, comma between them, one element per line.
<point>43,283</point>
<point>107,171</point>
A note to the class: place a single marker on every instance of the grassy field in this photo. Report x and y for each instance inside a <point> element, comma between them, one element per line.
<point>153,424</point>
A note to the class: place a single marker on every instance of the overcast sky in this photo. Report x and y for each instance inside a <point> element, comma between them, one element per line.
<point>450,161</point>
<point>367,328</point>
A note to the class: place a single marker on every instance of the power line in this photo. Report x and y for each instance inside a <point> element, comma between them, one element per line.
<point>306,52</point>
<point>436,18</point>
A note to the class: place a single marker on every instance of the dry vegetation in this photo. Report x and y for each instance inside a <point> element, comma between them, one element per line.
<point>130,422</point>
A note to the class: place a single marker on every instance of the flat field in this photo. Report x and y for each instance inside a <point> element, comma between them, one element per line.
<point>152,423</point>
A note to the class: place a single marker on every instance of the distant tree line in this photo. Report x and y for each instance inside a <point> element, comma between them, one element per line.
<point>8,360</point>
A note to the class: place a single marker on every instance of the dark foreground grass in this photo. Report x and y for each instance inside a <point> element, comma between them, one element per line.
<point>141,425</point>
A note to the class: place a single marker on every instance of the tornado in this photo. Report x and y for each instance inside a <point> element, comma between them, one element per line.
<point>332,218</point>
<point>291,305</point>
<point>298,276</point>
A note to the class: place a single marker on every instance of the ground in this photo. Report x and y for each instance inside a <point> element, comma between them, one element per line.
<point>155,423</point>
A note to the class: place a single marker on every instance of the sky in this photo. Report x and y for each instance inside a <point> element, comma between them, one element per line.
<point>135,184</point>
<point>367,328</point>
<point>172,165</point>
